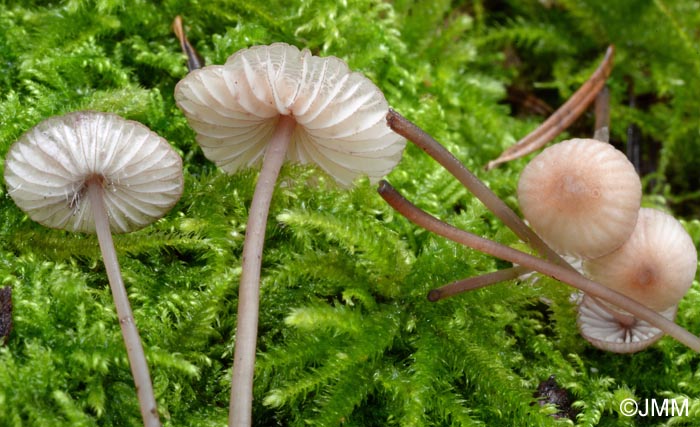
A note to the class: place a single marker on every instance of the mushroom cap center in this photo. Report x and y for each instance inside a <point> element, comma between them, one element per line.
<point>655,266</point>
<point>581,196</point>
<point>575,194</point>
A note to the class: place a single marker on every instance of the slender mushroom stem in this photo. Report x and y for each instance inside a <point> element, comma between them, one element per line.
<point>132,340</point>
<point>557,272</point>
<point>564,116</point>
<point>476,282</point>
<point>633,146</point>
<point>434,149</point>
<point>601,132</point>
<point>241,404</point>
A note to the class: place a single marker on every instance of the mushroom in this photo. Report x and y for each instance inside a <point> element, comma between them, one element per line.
<point>564,274</point>
<point>553,265</point>
<point>655,266</point>
<point>97,172</point>
<point>273,103</point>
<point>581,196</point>
<point>606,328</point>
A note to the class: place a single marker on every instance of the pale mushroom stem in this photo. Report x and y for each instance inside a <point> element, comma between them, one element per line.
<point>601,131</point>
<point>241,404</point>
<point>557,272</point>
<point>434,149</point>
<point>476,282</point>
<point>132,340</point>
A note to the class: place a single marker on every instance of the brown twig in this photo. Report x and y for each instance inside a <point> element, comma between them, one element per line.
<point>563,117</point>
<point>194,60</point>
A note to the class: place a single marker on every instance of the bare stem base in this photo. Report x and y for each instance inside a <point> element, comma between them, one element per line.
<point>132,340</point>
<point>241,404</point>
<point>477,282</point>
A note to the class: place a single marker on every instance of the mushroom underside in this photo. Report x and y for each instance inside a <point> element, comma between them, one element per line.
<point>609,329</point>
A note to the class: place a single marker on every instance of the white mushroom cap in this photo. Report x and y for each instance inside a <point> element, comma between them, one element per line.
<point>47,168</point>
<point>581,196</point>
<point>340,114</point>
<point>600,326</point>
<point>655,267</point>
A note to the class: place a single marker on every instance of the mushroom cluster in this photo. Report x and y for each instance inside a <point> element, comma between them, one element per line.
<point>270,104</point>
<point>627,311</point>
<point>582,197</point>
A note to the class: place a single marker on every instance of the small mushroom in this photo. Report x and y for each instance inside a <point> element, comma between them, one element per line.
<point>553,266</point>
<point>655,266</point>
<point>97,172</point>
<point>582,196</point>
<point>271,104</point>
<point>564,274</point>
<point>609,329</point>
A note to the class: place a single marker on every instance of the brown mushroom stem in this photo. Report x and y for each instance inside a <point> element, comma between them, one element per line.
<point>132,340</point>
<point>434,149</point>
<point>241,404</point>
<point>476,282</point>
<point>557,272</point>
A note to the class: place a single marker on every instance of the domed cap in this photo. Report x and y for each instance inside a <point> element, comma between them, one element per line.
<point>655,267</point>
<point>581,196</point>
<point>46,171</point>
<point>600,325</point>
<point>340,114</point>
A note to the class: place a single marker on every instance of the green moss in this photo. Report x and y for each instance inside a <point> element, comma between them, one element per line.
<point>347,335</point>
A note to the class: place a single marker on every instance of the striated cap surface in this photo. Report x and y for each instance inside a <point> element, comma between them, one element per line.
<point>47,168</point>
<point>340,114</point>
<point>655,267</point>
<point>581,196</point>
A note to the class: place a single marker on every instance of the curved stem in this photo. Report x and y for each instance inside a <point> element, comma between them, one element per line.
<point>134,349</point>
<point>194,59</point>
<point>241,404</point>
<point>558,272</point>
<point>476,282</point>
<point>434,149</point>
<point>564,116</point>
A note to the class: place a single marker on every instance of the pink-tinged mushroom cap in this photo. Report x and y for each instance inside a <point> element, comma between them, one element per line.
<point>656,266</point>
<point>340,115</point>
<point>581,196</point>
<point>608,329</point>
<point>46,172</point>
